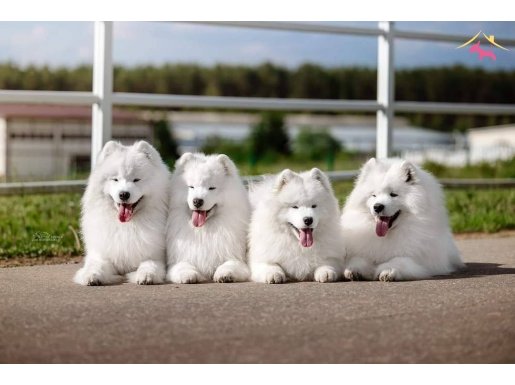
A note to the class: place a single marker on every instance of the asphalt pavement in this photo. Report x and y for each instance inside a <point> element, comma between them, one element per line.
<point>465,318</point>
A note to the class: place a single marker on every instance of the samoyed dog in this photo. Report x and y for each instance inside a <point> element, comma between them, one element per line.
<point>295,229</point>
<point>208,221</point>
<point>124,211</point>
<point>395,225</point>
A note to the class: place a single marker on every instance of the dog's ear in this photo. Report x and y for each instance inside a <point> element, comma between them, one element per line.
<point>185,158</point>
<point>408,172</point>
<point>282,179</point>
<point>365,169</point>
<point>228,164</point>
<point>321,177</point>
<point>109,148</point>
<point>148,150</point>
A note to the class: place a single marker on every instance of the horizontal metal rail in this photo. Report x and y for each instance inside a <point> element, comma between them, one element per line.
<point>163,100</point>
<point>348,30</point>
<point>51,187</point>
<point>78,186</point>
<point>248,103</point>
<point>478,183</point>
<point>455,108</point>
<point>48,97</point>
<point>296,27</point>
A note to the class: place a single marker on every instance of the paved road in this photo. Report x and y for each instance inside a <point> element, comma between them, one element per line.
<point>469,317</point>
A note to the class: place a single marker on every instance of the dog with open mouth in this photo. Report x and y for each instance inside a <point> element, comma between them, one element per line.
<point>124,212</point>
<point>295,231</point>
<point>208,221</point>
<point>395,225</point>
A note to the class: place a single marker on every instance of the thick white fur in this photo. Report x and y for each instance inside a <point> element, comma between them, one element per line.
<point>217,250</point>
<point>275,253</point>
<point>418,245</point>
<point>135,249</point>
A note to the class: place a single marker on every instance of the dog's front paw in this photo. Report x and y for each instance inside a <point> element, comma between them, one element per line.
<point>223,274</point>
<point>88,278</point>
<point>326,274</point>
<point>275,277</point>
<point>145,278</point>
<point>94,280</point>
<point>227,278</point>
<point>352,275</point>
<point>388,275</point>
<point>187,276</point>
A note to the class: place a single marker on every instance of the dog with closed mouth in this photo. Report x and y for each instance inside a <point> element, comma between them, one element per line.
<point>124,212</point>
<point>208,221</point>
<point>295,231</point>
<point>395,225</point>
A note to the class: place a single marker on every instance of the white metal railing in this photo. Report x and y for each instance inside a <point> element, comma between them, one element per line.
<point>102,98</point>
<point>78,186</point>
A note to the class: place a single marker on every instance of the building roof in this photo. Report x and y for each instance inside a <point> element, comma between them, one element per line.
<point>502,127</point>
<point>50,112</point>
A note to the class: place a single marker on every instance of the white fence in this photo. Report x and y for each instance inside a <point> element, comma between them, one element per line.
<point>102,98</point>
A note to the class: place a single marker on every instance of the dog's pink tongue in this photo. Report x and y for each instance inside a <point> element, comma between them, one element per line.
<point>382,226</point>
<point>124,212</point>
<point>199,218</point>
<point>306,237</point>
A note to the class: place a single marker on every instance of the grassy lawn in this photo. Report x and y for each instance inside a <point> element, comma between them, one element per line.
<point>39,226</point>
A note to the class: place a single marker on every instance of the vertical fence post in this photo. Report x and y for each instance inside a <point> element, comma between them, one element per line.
<point>102,87</point>
<point>385,90</point>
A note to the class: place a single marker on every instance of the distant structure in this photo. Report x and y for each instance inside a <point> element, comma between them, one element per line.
<point>43,142</point>
<point>355,132</point>
<point>491,143</point>
<point>482,144</point>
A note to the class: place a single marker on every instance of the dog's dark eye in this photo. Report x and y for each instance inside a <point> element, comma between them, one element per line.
<point>212,188</point>
<point>393,195</point>
<point>374,195</point>
<point>314,206</point>
<point>136,180</point>
<point>115,179</point>
<point>295,207</point>
<point>190,186</point>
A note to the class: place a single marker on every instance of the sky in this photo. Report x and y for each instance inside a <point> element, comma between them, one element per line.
<point>137,43</point>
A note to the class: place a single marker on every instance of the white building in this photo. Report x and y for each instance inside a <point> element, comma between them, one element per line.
<point>483,144</point>
<point>42,142</point>
<point>491,143</point>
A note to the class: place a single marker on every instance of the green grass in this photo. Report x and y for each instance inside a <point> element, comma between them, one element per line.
<point>498,169</point>
<point>23,217</point>
<point>481,210</point>
<point>275,163</point>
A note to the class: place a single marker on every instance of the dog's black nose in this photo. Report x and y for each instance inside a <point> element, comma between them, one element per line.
<point>198,202</point>
<point>378,207</point>
<point>308,221</point>
<point>124,195</point>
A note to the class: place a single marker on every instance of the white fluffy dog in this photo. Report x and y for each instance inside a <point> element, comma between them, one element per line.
<point>395,225</point>
<point>295,230</point>
<point>124,212</point>
<point>208,221</point>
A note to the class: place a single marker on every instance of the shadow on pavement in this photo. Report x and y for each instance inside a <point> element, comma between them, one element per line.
<point>478,269</point>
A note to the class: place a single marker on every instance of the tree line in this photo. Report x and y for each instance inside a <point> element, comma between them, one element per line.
<point>440,84</point>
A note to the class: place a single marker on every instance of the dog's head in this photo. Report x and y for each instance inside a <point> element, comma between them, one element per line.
<point>388,189</point>
<point>128,174</point>
<point>205,178</point>
<point>303,202</point>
